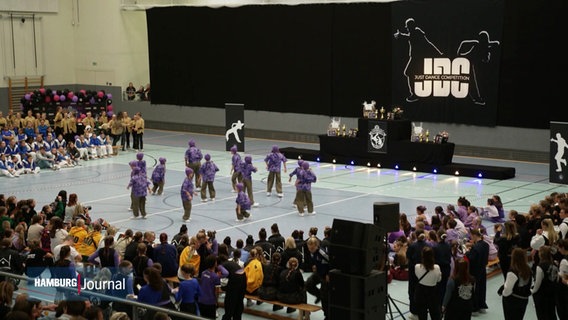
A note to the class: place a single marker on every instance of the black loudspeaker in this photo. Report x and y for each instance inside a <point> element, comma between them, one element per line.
<point>356,247</point>
<point>357,297</point>
<point>386,215</point>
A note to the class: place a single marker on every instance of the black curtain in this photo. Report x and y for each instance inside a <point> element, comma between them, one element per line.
<point>326,59</point>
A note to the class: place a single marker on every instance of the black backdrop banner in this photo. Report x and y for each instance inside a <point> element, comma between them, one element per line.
<point>558,152</point>
<point>326,59</point>
<point>446,59</point>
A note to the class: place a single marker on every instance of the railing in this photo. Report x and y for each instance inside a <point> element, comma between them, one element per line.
<point>19,86</point>
<point>134,304</point>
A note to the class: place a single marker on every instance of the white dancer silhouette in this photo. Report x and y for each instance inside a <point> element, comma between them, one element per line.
<point>234,128</point>
<point>559,157</point>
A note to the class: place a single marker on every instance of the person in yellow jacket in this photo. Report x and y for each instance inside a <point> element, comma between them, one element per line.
<point>190,255</point>
<point>79,233</point>
<point>91,242</point>
<point>253,270</point>
<point>57,121</point>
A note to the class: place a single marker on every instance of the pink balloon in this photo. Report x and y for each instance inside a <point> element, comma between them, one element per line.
<point>100,94</point>
<point>48,99</point>
<point>70,95</point>
<point>109,108</point>
<point>56,98</point>
<point>83,91</point>
<point>42,90</point>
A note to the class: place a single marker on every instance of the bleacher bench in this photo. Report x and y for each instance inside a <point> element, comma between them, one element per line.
<point>304,309</point>
<point>494,265</point>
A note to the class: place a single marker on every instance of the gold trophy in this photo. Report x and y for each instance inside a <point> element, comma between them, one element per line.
<point>382,113</point>
<point>427,135</point>
<point>343,130</point>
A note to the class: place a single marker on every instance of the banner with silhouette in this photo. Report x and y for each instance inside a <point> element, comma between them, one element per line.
<point>558,152</point>
<point>235,126</point>
<point>446,59</point>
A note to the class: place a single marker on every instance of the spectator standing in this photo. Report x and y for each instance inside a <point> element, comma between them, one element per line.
<point>478,256</point>
<point>517,286</point>
<point>458,299</point>
<point>426,295</point>
<point>166,255</point>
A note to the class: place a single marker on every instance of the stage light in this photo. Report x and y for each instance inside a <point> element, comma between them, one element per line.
<point>352,162</point>
<point>318,159</point>
<point>413,168</point>
<point>378,165</point>
<point>368,164</point>
<point>480,175</point>
<point>396,166</point>
<point>333,161</point>
<point>457,173</point>
<point>300,157</point>
<point>435,171</point>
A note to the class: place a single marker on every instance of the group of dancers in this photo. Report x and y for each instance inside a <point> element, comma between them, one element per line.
<point>200,176</point>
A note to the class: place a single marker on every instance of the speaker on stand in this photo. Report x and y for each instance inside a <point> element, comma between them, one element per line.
<point>386,216</point>
<point>357,289</point>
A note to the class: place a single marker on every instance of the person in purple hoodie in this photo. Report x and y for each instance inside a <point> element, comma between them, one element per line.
<point>247,169</point>
<point>274,162</point>
<point>158,177</point>
<point>193,158</point>
<point>306,177</point>
<point>236,163</point>
<point>140,188</point>
<point>243,204</point>
<point>207,172</point>
<point>141,163</point>
<point>187,192</point>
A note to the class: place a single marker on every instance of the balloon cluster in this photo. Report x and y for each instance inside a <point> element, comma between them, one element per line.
<point>44,97</point>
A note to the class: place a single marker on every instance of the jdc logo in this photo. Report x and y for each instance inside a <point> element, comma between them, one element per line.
<point>443,77</point>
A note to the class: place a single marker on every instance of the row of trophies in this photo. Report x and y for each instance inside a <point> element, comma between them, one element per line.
<point>335,129</point>
<point>370,112</point>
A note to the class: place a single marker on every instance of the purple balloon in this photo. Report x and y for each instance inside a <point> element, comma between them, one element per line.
<point>75,99</point>
<point>62,98</point>
<point>109,95</point>
<point>92,100</point>
<point>28,96</point>
<point>110,113</point>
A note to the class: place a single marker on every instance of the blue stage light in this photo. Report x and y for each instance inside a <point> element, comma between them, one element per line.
<point>318,159</point>
<point>480,175</point>
<point>435,171</point>
<point>396,166</point>
<point>333,161</point>
<point>352,162</point>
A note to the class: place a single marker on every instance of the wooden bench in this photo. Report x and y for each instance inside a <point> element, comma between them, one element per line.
<point>304,309</point>
<point>494,264</point>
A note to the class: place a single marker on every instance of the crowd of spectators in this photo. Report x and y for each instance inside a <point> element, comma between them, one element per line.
<point>443,260</point>
<point>31,144</point>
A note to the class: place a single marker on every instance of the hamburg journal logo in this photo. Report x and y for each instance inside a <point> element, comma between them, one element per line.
<point>80,283</point>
